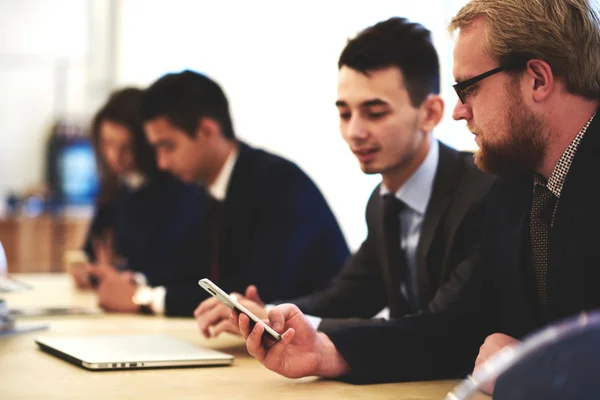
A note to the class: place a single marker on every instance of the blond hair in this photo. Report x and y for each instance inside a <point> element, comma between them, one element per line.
<point>563,33</point>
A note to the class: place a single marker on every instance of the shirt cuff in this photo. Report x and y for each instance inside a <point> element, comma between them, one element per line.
<point>151,297</point>
<point>140,279</point>
<point>314,321</point>
<point>158,300</point>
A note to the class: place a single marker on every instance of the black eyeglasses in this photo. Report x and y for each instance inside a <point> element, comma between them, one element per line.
<point>462,86</point>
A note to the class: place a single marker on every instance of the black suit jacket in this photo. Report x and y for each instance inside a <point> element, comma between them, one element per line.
<point>147,225</point>
<point>277,233</point>
<point>450,227</point>
<point>499,294</point>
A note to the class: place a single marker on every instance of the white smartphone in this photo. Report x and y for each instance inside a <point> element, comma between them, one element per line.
<point>232,303</point>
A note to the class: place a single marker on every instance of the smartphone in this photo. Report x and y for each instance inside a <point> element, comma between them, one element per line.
<point>230,302</point>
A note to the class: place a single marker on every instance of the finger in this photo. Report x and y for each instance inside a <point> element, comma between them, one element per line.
<point>484,354</point>
<point>213,317</point>
<point>252,294</point>
<point>276,320</point>
<point>284,312</point>
<point>223,326</point>
<point>108,244</point>
<point>244,325</point>
<point>205,306</point>
<point>128,276</point>
<point>275,352</point>
<point>96,271</point>
<point>478,362</point>
<point>234,319</point>
<point>254,341</point>
<point>102,271</point>
<point>99,250</point>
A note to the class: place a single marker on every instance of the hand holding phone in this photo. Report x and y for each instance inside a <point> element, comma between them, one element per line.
<point>232,303</point>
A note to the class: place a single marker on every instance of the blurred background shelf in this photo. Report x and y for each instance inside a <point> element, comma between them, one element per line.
<point>37,244</point>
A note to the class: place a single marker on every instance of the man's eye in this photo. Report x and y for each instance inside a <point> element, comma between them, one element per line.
<point>345,116</point>
<point>377,115</point>
<point>468,91</point>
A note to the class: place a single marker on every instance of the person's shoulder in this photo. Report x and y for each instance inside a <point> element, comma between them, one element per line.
<point>166,186</point>
<point>463,163</point>
<point>270,165</point>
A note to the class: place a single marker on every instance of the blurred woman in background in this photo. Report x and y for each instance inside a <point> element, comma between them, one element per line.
<point>141,214</point>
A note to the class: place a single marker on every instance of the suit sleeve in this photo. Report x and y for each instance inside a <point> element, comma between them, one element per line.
<point>182,291</point>
<point>466,243</point>
<point>440,345</point>
<point>358,291</point>
<point>431,346</point>
<point>297,246</point>
<point>102,220</point>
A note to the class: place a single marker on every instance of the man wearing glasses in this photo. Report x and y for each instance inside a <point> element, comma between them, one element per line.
<point>538,260</point>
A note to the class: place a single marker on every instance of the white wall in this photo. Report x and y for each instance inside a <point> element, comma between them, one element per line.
<point>277,61</point>
<point>42,74</point>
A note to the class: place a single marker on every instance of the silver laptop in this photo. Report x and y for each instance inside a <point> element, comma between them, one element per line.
<point>131,351</point>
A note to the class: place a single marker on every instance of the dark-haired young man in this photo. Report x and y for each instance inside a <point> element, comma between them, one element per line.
<point>534,112</point>
<point>265,221</point>
<point>423,217</point>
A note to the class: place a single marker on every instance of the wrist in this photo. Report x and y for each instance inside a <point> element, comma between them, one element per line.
<point>331,363</point>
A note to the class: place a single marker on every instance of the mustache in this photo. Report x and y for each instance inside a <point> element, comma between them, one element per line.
<point>474,130</point>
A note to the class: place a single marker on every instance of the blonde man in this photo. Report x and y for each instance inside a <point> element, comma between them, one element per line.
<point>528,87</point>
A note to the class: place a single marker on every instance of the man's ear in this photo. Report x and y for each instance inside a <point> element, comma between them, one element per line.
<point>539,79</point>
<point>431,112</point>
<point>208,127</point>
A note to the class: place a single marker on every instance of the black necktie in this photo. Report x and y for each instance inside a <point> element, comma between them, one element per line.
<point>396,257</point>
<point>214,210</point>
<point>542,209</point>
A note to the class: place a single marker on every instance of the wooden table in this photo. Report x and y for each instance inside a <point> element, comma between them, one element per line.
<point>26,372</point>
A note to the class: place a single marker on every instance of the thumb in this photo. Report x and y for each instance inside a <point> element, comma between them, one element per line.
<point>278,316</point>
<point>252,294</point>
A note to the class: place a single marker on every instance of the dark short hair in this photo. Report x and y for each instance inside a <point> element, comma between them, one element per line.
<point>185,98</point>
<point>124,108</point>
<point>399,43</point>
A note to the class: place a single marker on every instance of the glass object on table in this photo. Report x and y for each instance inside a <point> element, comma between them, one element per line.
<point>9,284</point>
<point>561,361</point>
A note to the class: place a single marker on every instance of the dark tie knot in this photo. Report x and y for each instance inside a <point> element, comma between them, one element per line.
<point>392,205</point>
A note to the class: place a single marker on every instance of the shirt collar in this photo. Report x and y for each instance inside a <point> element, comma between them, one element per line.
<point>416,192</point>
<point>559,173</point>
<point>218,189</point>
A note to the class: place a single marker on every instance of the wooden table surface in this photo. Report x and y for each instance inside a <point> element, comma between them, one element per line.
<point>26,372</point>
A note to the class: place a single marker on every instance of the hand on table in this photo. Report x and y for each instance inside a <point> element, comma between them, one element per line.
<point>492,345</point>
<point>115,288</point>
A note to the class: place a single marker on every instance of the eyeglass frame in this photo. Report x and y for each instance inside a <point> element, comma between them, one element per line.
<point>461,86</point>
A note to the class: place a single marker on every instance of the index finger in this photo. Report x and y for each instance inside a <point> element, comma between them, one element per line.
<point>95,270</point>
<point>206,305</point>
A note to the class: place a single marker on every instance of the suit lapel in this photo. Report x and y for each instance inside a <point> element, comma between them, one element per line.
<point>511,256</point>
<point>566,272</point>
<point>447,173</point>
